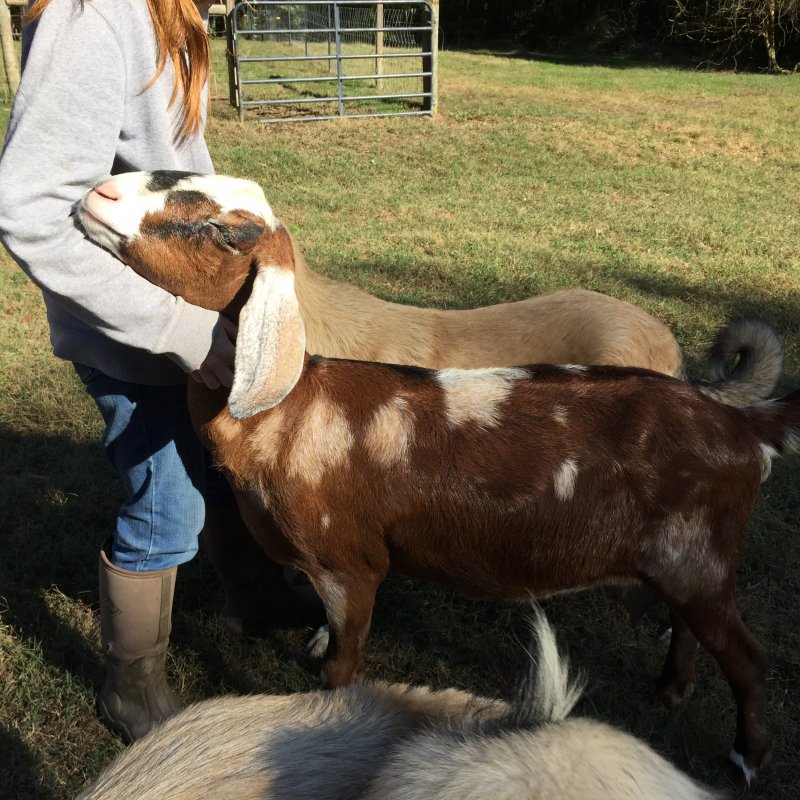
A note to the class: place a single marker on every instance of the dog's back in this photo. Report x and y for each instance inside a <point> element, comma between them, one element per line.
<point>372,741</point>
<point>534,751</point>
<point>313,746</point>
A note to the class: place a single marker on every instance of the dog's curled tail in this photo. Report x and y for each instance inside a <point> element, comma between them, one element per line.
<point>747,360</point>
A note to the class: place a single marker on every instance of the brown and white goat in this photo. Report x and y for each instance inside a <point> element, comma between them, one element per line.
<point>572,326</point>
<point>372,741</point>
<point>509,483</point>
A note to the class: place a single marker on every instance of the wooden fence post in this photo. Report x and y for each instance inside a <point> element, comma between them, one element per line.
<point>9,51</point>
<point>233,77</point>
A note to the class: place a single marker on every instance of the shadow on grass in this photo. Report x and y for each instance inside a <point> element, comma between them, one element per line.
<point>58,502</point>
<point>783,315</point>
<point>19,768</point>
<point>584,59</point>
<point>54,502</point>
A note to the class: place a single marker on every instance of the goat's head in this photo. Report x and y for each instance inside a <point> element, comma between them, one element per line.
<point>214,241</point>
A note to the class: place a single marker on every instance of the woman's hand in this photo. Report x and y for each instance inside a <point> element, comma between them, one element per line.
<point>217,368</point>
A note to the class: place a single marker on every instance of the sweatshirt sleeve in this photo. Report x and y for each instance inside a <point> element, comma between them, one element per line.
<point>61,141</point>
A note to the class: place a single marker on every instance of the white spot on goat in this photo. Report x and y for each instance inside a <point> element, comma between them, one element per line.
<point>334,595</point>
<point>560,415</point>
<point>324,441</point>
<point>564,479</point>
<point>325,521</point>
<point>768,453</point>
<point>266,437</point>
<point>109,221</point>
<point>475,395</point>
<point>226,428</point>
<point>231,194</point>
<point>748,772</point>
<point>318,643</point>
<point>575,369</point>
<point>389,432</point>
<point>683,557</point>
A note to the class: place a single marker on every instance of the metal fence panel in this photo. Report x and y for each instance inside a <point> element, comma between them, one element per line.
<point>312,60</point>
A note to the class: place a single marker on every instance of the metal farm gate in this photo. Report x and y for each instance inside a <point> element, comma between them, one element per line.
<point>312,60</point>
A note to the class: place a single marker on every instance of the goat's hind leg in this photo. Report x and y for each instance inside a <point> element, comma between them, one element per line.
<point>676,681</point>
<point>716,623</point>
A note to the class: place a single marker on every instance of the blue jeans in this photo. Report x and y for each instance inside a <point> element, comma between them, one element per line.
<point>164,469</point>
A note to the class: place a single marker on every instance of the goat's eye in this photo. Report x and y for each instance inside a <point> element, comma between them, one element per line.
<point>223,233</point>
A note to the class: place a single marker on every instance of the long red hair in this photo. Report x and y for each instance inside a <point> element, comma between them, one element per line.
<point>181,37</point>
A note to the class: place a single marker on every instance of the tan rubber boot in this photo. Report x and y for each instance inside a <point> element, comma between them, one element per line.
<point>257,594</point>
<point>135,623</point>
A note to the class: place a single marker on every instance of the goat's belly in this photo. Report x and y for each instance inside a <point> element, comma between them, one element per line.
<point>509,561</point>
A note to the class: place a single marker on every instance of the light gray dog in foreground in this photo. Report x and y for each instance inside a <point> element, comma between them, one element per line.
<point>374,741</point>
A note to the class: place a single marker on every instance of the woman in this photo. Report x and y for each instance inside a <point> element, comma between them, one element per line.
<point>111,86</point>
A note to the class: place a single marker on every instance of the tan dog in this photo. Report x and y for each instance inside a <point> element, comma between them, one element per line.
<point>373,741</point>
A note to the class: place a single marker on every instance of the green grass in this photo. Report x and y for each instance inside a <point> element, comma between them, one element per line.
<point>675,190</point>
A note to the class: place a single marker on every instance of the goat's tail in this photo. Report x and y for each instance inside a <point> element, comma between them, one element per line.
<point>747,358</point>
<point>547,692</point>
<point>777,424</point>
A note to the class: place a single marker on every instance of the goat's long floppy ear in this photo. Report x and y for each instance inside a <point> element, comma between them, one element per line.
<point>270,345</point>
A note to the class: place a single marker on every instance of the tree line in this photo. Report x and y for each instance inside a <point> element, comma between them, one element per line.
<point>739,34</point>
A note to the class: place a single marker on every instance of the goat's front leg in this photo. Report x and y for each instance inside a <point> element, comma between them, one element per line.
<point>349,599</point>
<point>676,681</point>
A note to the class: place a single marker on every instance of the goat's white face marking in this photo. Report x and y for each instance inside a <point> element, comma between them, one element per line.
<point>390,432</point>
<point>323,442</point>
<point>564,479</point>
<point>325,521</point>
<point>232,194</point>
<point>560,415</point>
<point>475,395</point>
<point>111,222</point>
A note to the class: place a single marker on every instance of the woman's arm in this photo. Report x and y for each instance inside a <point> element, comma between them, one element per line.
<point>61,141</point>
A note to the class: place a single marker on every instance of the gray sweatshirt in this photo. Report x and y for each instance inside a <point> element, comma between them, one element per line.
<point>80,115</point>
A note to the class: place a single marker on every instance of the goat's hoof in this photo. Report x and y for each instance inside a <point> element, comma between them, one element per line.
<point>673,694</point>
<point>742,774</point>
<point>232,625</point>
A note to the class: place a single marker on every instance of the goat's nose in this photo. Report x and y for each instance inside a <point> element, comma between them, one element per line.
<point>108,190</point>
